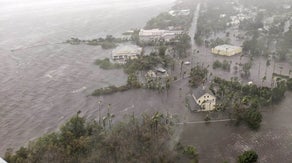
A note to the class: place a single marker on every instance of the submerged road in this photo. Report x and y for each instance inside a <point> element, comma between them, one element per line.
<point>193,28</point>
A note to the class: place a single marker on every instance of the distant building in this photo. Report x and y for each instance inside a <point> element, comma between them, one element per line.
<point>123,53</point>
<point>204,99</point>
<point>226,50</point>
<point>150,35</point>
<point>179,12</point>
<point>154,35</point>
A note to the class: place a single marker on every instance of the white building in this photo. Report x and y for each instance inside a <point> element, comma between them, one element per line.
<point>179,12</point>
<point>125,52</point>
<point>204,99</point>
<point>154,35</point>
<point>226,50</point>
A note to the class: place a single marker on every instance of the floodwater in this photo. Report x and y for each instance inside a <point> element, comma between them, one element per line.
<point>43,83</point>
<point>217,142</point>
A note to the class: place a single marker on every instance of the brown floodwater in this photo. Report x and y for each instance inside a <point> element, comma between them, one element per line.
<point>44,83</point>
<point>43,86</point>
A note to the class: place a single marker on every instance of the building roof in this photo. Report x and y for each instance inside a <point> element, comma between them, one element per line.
<point>159,33</point>
<point>200,91</point>
<point>127,50</point>
<point>151,32</point>
<point>226,47</point>
<point>193,106</point>
<point>179,12</point>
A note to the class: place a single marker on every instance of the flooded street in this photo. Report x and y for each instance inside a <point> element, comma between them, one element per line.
<point>221,141</point>
<point>44,83</point>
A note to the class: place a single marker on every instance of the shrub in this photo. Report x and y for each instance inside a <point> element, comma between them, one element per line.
<point>248,157</point>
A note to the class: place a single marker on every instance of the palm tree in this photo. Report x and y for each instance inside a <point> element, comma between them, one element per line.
<point>157,117</point>
<point>268,63</point>
<point>281,68</point>
<point>108,117</point>
<point>181,67</point>
<point>264,79</point>
<point>167,84</point>
<point>99,114</point>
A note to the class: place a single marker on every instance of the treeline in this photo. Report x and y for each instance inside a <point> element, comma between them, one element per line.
<point>108,42</point>
<point>147,139</point>
<point>165,20</point>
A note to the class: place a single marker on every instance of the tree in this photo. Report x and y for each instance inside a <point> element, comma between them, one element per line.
<point>162,50</point>
<point>191,153</point>
<point>253,118</point>
<point>289,84</point>
<point>167,84</point>
<point>217,64</point>
<point>278,92</point>
<point>133,81</point>
<point>248,157</point>
<point>246,69</point>
<point>133,140</point>
<point>182,45</point>
<point>198,75</point>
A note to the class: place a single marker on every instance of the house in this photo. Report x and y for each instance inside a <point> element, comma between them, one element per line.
<point>204,99</point>
<point>125,52</point>
<point>226,50</point>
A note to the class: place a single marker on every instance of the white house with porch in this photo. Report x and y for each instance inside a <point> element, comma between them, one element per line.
<point>204,99</point>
